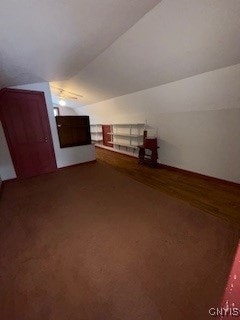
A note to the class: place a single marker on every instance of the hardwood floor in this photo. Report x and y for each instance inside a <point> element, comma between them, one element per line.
<point>215,197</point>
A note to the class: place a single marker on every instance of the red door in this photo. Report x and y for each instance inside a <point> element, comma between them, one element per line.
<point>26,125</point>
<point>106,129</point>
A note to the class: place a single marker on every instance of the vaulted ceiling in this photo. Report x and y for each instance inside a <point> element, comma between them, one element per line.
<point>102,49</point>
<point>52,40</point>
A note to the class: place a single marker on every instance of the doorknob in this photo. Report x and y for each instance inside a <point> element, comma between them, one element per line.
<point>46,140</point>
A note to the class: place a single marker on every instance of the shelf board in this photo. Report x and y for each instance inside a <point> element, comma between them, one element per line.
<point>125,135</point>
<point>95,132</point>
<point>128,124</point>
<point>121,124</point>
<point>123,144</point>
<point>97,140</point>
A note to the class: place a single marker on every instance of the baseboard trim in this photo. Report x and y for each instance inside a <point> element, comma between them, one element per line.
<point>191,173</point>
<point>200,175</point>
<point>77,164</point>
<point>160,166</point>
<point>9,181</point>
<point>62,168</point>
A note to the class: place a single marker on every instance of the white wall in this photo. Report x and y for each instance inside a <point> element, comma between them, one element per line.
<point>6,166</point>
<point>64,157</point>
<point>65,111</point>
<point>198,120</point>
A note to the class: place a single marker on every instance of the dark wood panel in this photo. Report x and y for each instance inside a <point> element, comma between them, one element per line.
<point>214,196</point>
<point>73,130</point>
<point>106,129</point>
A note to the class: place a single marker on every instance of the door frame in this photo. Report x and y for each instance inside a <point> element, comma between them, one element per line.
<point>6,132</point>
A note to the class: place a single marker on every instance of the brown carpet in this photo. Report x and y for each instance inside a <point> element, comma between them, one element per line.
<point>90,243</point>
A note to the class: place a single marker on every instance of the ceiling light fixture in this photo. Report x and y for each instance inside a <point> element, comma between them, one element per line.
<point>64,94</point>
<point>62,102</point>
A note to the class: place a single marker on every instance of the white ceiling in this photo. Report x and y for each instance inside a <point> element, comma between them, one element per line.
<point>175,40</point>
<point>89,46</point>
<point>51,40</point>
